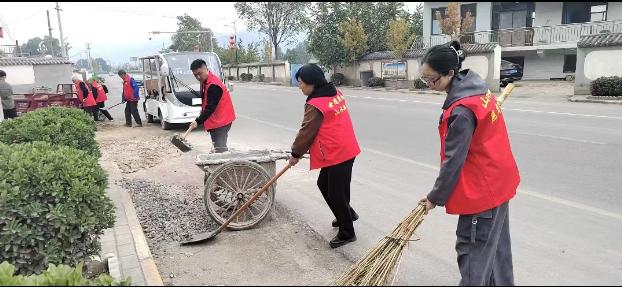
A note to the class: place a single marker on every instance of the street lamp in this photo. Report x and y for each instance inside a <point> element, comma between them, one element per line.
<point>235,39</point>
<point>211,48</point>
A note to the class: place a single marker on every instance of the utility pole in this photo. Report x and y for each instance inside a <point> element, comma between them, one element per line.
<point>88,51</point>
<point>50,33</point>
<point>60,29</point>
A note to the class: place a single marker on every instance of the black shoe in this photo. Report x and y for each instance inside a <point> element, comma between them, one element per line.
<point>337,242</point>
<point>354,218</point>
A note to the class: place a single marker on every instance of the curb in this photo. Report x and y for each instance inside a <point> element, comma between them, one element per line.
<point>611,102</point>
<point>147,264</point>
<point>114,269</point>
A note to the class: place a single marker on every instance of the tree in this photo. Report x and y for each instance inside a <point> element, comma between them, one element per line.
<point>417,21</point>
<point>188,41</point>
<point>45,46</point>
<point>452,23</point>
<point>325,36</point>
<point>299,54</point>
<point>280,21</point>
<point>267,51</point>
<point>248,54</point>
<point>375,18</point>
<point>354,39</point>
<point>400,37</point>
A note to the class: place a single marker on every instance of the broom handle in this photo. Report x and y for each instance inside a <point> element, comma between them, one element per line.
<point>506,92</point>
<point>255,196</point>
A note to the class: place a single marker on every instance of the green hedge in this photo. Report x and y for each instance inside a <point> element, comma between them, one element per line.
<point>607,87</point>
<point>65,126</point>
<point>61,275</point>
<point>376,82</point>
<point>338,79</point>
<point>53,205</point>
<point>246,77</point>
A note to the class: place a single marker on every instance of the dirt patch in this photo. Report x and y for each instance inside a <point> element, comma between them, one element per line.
<point>138,153</point>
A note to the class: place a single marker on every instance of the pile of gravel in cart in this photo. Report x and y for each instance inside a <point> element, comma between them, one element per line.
<point>168,213</point>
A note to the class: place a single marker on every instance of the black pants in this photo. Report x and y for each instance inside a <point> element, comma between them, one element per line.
<point>10,113</point>
<point>484,248</point>
<point>219,138</point>
<point>334,183</point>
<point>104,112</point>
<point>131,109</point>
<point>93,110</point>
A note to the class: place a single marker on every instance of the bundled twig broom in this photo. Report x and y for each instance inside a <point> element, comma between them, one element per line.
<point>375,268</point>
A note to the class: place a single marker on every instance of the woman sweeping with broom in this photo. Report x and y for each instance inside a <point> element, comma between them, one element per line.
<point>478,174</point>
<point>328,135</point>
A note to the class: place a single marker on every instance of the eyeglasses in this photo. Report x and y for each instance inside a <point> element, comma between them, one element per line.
<point>428,81</point>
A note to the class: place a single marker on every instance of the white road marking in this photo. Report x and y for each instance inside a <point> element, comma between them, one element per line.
<point>557,200</point>
<point>559,138</point>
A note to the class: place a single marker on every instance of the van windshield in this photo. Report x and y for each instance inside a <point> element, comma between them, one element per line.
<point>179,63</point>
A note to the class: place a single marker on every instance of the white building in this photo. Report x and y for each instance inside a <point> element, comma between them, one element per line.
<point>540,36</point>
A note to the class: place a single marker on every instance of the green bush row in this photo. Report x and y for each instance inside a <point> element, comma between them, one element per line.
<point>61,275</point>
<point>607,87</point>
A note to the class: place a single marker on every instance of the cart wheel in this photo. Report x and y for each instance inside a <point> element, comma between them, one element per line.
<point>233,184</point>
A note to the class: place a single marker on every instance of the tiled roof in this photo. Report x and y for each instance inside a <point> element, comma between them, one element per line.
<point>470,49</point>
<point>22,61</point>
<point>600,40</point>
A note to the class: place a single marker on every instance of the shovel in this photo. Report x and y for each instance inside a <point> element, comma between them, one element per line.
<point>180,141</point>
<point>205,236</point>
<point>112,106</point>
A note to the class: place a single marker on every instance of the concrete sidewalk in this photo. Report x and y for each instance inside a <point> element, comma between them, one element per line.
<point>127,241</point>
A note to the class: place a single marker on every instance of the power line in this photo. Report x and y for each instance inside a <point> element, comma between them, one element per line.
<point>8,32</point>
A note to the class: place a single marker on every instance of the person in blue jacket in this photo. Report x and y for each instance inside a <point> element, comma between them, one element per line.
<point>130,98</point>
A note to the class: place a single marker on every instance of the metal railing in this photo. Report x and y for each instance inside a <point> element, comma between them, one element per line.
<point>530,36</point>
<point>11,51</point>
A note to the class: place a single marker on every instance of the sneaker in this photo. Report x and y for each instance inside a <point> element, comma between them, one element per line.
<point>128,125</point>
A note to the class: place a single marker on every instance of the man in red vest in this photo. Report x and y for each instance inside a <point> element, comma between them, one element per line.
<point>99,92</point>
<point>130,97</point>
<point>217,112</point>
<point>478,174</point>
<point>328,135</point>
<point>86,97</point>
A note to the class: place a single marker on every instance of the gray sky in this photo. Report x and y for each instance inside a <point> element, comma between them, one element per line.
<point>118,31</point>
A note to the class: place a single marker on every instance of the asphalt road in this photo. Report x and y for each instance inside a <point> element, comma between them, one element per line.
<point>566,226</point>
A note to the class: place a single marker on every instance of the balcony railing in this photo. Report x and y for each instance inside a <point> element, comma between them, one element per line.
<point>531,36</point>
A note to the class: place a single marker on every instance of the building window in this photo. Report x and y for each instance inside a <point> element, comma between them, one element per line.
<point>570,63</point>
<point>436,25</point>
<point>507,15</point>
<point>598,13</point>
<point>464,8</point>
<point>581,12</point>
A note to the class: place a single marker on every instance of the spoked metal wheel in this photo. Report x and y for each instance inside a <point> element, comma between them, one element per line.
<point>233,184</point>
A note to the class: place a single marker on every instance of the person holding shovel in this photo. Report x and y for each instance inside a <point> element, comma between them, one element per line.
<point>478,174</point>
<point>328,135</point>
<point>130,97</point>
<point>217,113</point>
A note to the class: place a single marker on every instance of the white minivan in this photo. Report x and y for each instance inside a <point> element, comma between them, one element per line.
<point>171,92</point>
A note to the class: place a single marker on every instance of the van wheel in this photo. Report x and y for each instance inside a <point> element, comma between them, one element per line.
<point>164,124</point>
<point>150,119</point>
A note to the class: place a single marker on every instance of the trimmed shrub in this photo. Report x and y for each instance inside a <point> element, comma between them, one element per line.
<point>61,275</point>
<point>338,79</point>
<point>375,82</point>
<point>260,78</point>
<point>246,77</point>
<point>231,78</point>
<point>65,126</point>
<point>607,87</point>
<point>420,84</point>
<point>53,205</point>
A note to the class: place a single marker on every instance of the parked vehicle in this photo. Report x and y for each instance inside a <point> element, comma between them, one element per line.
<point>170,89</point>
<point>510,72</point>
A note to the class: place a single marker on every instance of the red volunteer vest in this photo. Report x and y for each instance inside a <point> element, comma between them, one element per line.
<point>101,94</point>
<point>489,176</point>
<point>128,91</point>
<point>90,100</point>
<point>224,113</point>
<point>335,141</point>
